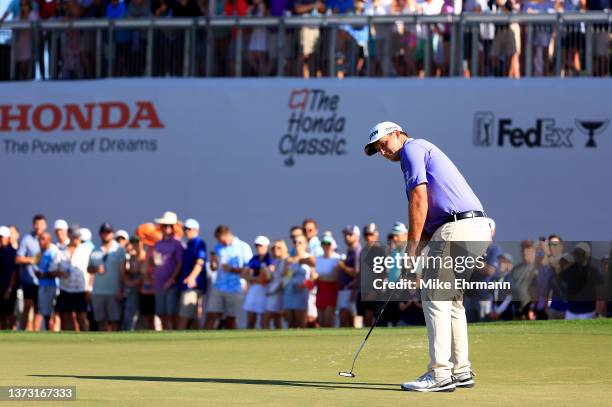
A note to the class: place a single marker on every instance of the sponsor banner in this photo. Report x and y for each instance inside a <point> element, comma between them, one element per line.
<point>261,155</point>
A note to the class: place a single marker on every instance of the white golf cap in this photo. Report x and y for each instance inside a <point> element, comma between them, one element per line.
<point>85,234</point>
<point>60,224</point>
<point>262,241</point>
<point>584,246</point>
<point>4,231</point>
<point>399,229</point>
<point>168,218</point>
<point>191,224</point>
<point>122,233</point>
<point>379,131</point>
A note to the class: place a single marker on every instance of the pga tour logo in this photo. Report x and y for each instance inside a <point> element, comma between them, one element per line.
<point>314,127</point>
<point>487,132</point>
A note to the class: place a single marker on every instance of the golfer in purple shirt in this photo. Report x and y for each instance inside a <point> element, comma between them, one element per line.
<point>441,207</point>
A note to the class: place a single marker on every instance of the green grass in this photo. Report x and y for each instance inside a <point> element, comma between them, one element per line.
<point>536,363</point>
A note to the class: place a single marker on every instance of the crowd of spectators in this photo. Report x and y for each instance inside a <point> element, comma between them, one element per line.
<point>163,277</point>
<point>392,49</point>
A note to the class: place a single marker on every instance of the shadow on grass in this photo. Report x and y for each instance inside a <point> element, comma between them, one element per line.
<point>258,382</point>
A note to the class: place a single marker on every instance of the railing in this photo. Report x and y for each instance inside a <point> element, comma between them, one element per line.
<point>564,44</point>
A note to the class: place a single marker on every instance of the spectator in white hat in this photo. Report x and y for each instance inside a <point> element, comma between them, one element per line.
<point>192,278</point>
<point>348,274</point>
<point>167,259</point>
<point>122,237</point>
<point>73,282</point>
<point>61,233</point>
<point>274,291</point>
<point>256,272</point>
<point>326,269</point>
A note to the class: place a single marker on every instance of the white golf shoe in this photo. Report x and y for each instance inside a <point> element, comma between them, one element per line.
<point>427,383</point>
<point>465,380</point>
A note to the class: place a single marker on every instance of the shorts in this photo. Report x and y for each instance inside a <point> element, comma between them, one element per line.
<point>166,302</point>
<point>146,304</point>
<point>106,307</point>
<point>30,292</point>
<point>255,300</point>
<point>345,300</point>
<point>507,41</point>
<point>7,307</point>
<point>71,302</point>
<point>274,302</point>
<point>188,307</point>
<point>46,300</point>
<point>224,303</point>
<point>308,38</point>
<point>327,294</point>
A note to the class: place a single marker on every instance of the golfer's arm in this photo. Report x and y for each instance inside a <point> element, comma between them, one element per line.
<point>417,213</point>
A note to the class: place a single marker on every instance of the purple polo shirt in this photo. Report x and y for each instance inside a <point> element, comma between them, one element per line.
<point>447,191</point>
<point>171,251</point>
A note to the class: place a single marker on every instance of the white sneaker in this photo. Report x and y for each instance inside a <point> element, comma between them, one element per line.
<point>427,383</point>
<point>464,379</point>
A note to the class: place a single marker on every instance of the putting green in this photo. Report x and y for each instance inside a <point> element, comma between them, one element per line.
<point>519,363</point>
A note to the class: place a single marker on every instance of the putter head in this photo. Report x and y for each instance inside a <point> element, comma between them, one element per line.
<point>346,374</point>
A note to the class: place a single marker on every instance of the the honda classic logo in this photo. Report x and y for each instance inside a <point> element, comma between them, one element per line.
<point>315,126</point>
<point>544,132</point>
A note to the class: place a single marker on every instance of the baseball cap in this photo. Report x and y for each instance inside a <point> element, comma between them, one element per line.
<point>85,235</point>
<point>379,131</point>
<point>351,230</point>
<point>399,229</point>
<point>370,229</point>
<point>328,239</point>
<point>191,224</point>
<point>262,241</point>
<point>584,247</point>
<point>74,231</point>
<point>122,233</point>
<point>507,257</point>
<point>106,227</point>
<point>60,224</point>
<point>4,231</point>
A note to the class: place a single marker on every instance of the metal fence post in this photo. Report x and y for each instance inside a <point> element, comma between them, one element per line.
<point>209,48</point>
<point>53,58</point>
<point>558,46</point>
<point>332,51</point>
<point>428,51</point>
<point>589,49</point>
<point>111,49</point>
<point>99,54</point>
<point>193,49</point>
<point>475,28</point>
<point>529,51</point>
<point>149,50</point>
<point>453,48</point>
<point>35,30</point>
<point>186,51</point>
<point>238,53</point>
<point>13,57</point>
<point>280,49</point>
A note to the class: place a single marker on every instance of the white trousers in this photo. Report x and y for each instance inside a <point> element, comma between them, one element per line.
<point>445,320</point>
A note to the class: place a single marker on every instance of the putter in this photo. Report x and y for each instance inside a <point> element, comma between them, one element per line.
<point>382,310</point>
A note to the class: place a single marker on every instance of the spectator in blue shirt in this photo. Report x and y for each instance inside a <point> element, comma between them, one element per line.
<point>47,272</point>
<point>192,277</point>
<point>232,254</point>
<point>340,6</point>
<point>28,255</point>
<point>115,10</point>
